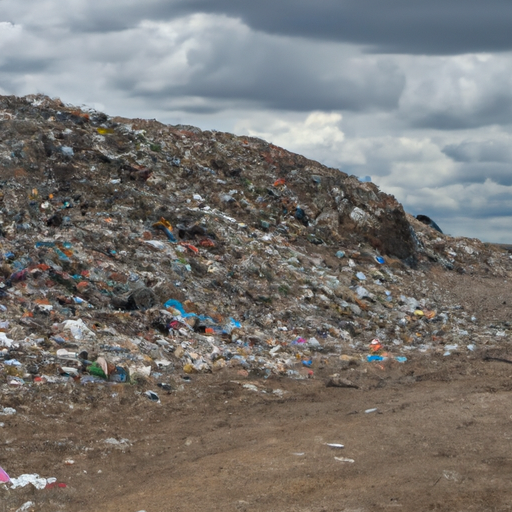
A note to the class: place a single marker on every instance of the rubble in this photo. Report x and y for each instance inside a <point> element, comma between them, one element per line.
<point>136,252</point>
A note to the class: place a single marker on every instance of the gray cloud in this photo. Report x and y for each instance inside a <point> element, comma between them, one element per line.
<point>472,210</point>
<point>495,230</point>
<point>20,65</point>
<point>437,27</point>
<point>268,86</point>
<point>493,110</point>
<point>479,172</point>
<point>226,63</point>
<point>429,123</point>
<point>480,151</point>
<point>454,93</point>
<point>481,160</point>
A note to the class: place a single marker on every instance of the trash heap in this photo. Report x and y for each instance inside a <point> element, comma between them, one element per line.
<point>134,251</point>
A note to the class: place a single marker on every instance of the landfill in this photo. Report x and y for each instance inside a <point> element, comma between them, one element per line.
<point>133,250</point>
<point>138,257</point>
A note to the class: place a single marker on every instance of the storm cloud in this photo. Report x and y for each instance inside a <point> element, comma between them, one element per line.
<point>437,27</point>
<point>417,95</point>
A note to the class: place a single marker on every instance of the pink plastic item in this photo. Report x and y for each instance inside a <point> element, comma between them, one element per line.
<point>4,477</point>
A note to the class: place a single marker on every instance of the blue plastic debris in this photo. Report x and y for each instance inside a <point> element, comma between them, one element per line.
<point>12,362</point>
<point>53,245</point>
<point>61,255</point>
<point>235,323</point>
<point>232,324</point>
<point>226,329</point>
<point>373,358</point>
<point>166,227</point>
<point>176,304</point>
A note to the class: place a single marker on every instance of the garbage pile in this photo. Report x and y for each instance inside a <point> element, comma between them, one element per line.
<point>134,251</point>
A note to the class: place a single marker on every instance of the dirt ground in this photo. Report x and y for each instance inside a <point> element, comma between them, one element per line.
<point>439,439</point>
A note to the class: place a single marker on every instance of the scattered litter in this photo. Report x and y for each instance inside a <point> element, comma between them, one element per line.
<point>344,459</point>
<point>5,341</point>
<point>121,443</point>
<point>152,396</point>
<point>4,477</point>
<point>7,411</point>
<point>34,479</point>
<point>26,506</point>
<point>449,349</point>
<point>156,256</point>
<point>250,387</point>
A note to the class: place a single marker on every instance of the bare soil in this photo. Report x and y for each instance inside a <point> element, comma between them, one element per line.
<point>440,438</point>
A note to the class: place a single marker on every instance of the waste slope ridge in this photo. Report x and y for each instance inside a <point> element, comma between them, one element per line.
<point>71,152</point>
<point>129,247</point>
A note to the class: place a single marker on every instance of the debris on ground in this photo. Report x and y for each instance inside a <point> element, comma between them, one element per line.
<point>140,255</point>
<point>135,251</point>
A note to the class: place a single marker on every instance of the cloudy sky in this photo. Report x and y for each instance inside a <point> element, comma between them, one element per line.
<point>415,94</point>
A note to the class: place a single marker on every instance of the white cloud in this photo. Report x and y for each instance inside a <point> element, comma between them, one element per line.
<point>318,132</point>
